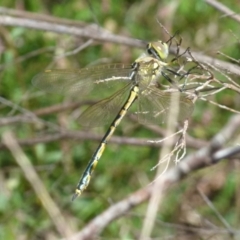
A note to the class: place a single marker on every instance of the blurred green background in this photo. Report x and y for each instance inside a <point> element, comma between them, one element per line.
<point>61,163</point>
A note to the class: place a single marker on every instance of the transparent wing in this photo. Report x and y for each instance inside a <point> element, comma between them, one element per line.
<point>83,81</point>
<point>105,110</point>
<point>98,82</point>
<point>154,106</point>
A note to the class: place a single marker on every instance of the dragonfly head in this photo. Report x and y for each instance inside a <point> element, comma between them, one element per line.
<point>158,50</point>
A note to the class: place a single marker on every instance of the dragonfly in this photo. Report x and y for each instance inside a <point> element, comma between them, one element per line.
<point>140,84</point>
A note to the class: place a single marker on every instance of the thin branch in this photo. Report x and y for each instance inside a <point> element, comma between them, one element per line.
<point>78,135</point>
<point>232,68</point>
<point>166,153</point>
<point>202,230</point>
<point>24,118</point>
<point>95,33</point>
<point>222,8</point>
<point>97,225</point>
<point>220,217</point>
<point>27,56</point>
<point>226,153</point>
<point>36,183</point>
<point>40,17</point>
<point>90,31</point>
<point>83,136</point>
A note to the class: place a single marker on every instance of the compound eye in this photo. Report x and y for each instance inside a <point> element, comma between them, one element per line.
<point>149,49</point>
<point>161,49</point>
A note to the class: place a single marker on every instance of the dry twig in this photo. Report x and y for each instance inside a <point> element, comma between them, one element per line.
<point>36,183</point>
<point>196,161</point>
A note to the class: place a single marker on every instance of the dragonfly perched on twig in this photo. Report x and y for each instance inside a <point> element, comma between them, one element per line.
<point>140,83</point>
